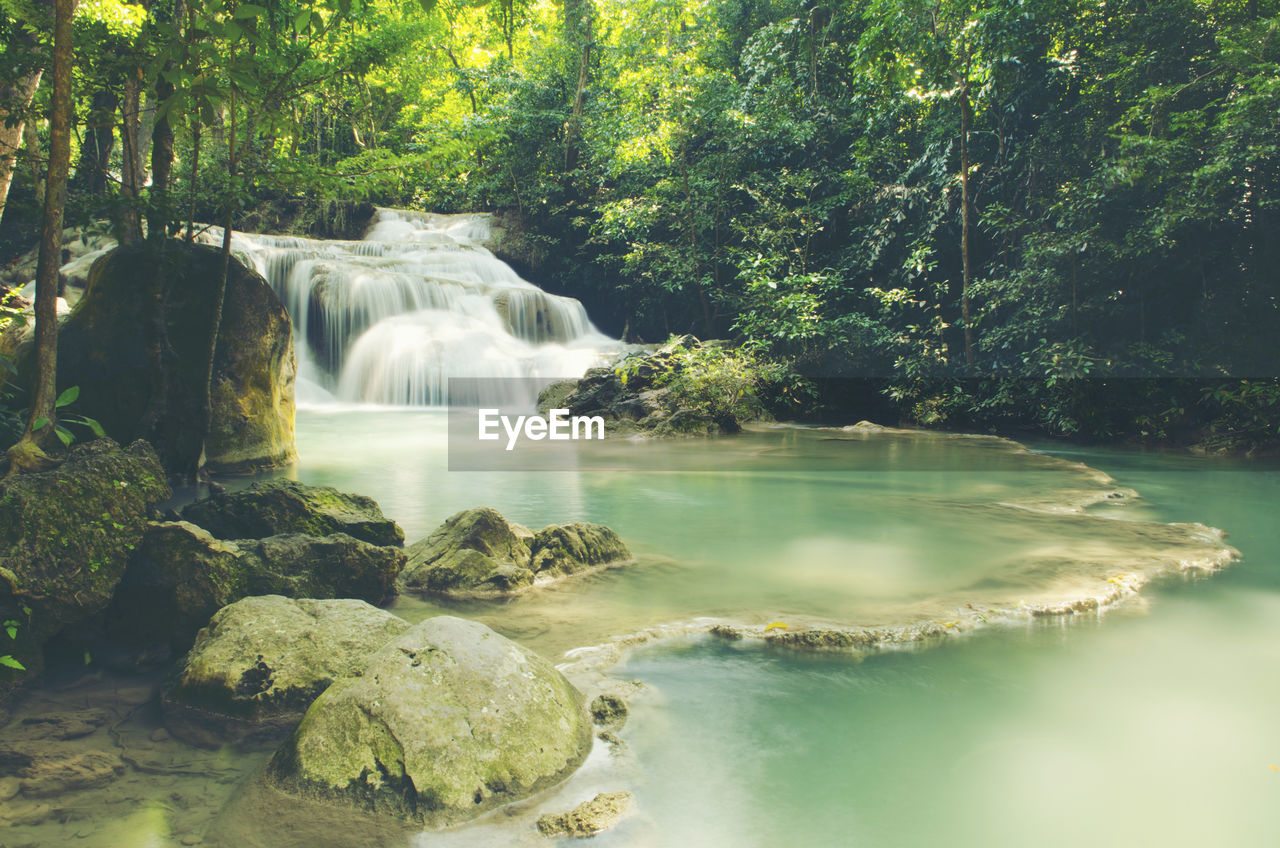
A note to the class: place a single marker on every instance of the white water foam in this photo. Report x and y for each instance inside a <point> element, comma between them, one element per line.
<point>390,319</point>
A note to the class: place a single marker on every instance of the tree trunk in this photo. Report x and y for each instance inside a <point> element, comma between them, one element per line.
<point>20,94</point>
<point>509,27</point>
<point>195,176</point>
<point>156,425</point>
<point>31,141</point>
<point>99,142</point>
<point>27,454</point>
<point>579,100</point>
<point>158,212</point>
<point>128,223</point>
<point>708,320</point>
<point>219,298</point>
<point>964,227</point>
<point>471,93</point>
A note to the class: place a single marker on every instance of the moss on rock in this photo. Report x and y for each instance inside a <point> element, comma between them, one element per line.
<point>474,550</point>
<point>181,575</point>
<point>568,548</point>
<point>588,818</point>
<point>477,551</point>
<point>102,348</point>
<point>65,537</point>
<point>446,722</point>
<point>273,507</point>
<point>263,660</point>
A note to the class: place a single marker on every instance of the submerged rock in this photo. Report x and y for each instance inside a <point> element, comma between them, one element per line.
<point>286,506</point>
<point>446,722</point>
<point>53,774</point>
<point>588,818</point>
<point>181,575</point>
<point>263,660</point>
<point>478,551</point>
<point>609,710</point>
<point>102,348</point>
<point>25,814</point>
<point>46,769</point>
<point>60,727</point>
<point>65,537</point>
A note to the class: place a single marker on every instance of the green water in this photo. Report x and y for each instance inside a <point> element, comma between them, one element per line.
<point>799,525</point>
<point>1154,725</point>
<point>1151,723</point>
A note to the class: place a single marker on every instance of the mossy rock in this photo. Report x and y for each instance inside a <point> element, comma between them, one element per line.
<point>261,661</point>
<point>479,552</point>
<point>556,395</point>
<point>476,550</point>
<point>102,348</point>
<point>608,710</point>
<point>445,723</point>
<point>181,575</point>
<point>588,818</point>
<point>273,507</point>
<point>66,536</point>
<point>568,548</point>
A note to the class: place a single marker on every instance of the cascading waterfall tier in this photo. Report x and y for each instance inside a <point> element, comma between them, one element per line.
<point>391,318</point>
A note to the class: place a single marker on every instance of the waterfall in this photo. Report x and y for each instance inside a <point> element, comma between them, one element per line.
<point>390,318</point>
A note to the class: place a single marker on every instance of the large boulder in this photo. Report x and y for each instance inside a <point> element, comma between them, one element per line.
<point>181,575</point>
<point>446,722</point>
<point>65,537</point>
<point>261,662</point>
<point>474,550</point>
<point>286,506</point>
<point>102,348</point>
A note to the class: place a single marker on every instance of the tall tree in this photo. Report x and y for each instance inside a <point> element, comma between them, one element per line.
<point>15,98</point>
<point>28,454</point>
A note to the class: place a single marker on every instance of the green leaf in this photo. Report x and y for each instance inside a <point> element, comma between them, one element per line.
<point>40,423</point>
<point>68,397</point>
<point>64,435</point>
<point>248,10</point>
<point>95,427</point>
<point>12,630</point>
<point>302,20</point>
<point>10,662</point>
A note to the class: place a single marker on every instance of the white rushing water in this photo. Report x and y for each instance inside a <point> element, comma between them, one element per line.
<point>391,318</point>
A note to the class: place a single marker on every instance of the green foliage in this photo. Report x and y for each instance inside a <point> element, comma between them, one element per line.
<point>788,174</point>
<point>7,660</point>
<point>68,397</point>
<point>723,384</point>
